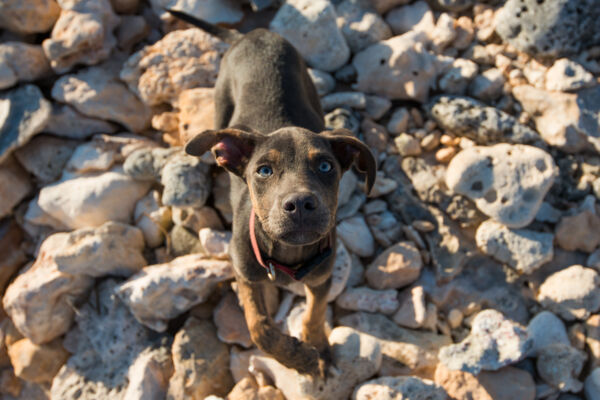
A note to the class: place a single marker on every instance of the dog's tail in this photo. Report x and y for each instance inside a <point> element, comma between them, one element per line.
<point>227,35</point>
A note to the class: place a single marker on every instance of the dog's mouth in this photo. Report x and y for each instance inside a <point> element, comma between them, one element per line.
<point>300,237</point>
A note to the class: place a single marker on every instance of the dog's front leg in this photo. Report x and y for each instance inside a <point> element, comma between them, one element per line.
<point>313,321</point>
<point>287,350</point>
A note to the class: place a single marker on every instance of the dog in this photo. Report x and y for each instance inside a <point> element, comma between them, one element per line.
<point>285,169</point>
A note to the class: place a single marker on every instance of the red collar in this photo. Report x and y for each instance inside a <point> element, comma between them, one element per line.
<point>297,272</point>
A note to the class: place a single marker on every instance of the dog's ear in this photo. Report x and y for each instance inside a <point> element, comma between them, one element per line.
<point>231,147</point>
<point>348,150</point>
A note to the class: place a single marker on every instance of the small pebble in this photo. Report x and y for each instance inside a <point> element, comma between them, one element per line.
<point>444,155</point>
<point>423,225</point>
<point>454,318</point>
<point>431,141</point>
<point>407,145</point>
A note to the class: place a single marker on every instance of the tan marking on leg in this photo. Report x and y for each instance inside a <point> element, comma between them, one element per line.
<point>287,350</point>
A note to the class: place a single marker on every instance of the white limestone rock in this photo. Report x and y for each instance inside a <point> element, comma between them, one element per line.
<point>89,200</point>
<point>161,292</point>
<point>522,249</point>
<point>399,68</point>
<point>310,26</point>
<point>182,59</point>
<point>506,182</point>
<point>83,34</point>
<point>494,342</point>
<point>571,293</point>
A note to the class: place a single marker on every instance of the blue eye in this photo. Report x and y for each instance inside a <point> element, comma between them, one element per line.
<point>265,171</point>
<point>325,166</point>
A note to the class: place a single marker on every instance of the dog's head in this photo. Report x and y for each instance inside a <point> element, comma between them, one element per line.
<point>292,175</point>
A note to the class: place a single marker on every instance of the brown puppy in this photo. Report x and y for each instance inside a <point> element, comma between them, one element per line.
<point>285,170</point>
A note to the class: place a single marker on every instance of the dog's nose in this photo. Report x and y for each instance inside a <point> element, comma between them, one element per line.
<point>299,202</point>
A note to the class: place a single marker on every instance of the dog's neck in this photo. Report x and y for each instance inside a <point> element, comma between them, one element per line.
<point>283,253</point>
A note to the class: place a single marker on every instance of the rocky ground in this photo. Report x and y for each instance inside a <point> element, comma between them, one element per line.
<point>471,272</point>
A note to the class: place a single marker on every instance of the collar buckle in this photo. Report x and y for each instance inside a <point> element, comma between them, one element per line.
<point>271,271</point>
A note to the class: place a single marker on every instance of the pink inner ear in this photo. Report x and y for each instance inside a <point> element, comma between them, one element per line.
<point>227,153</point>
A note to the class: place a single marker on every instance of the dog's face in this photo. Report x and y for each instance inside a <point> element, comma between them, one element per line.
<point>292,175</point>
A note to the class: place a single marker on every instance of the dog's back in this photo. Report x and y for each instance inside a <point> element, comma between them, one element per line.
<point>268,75</point>
<point>263,82</point>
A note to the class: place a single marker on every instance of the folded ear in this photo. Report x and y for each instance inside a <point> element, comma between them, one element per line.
<point>348,150</point>
<point>231,147</point>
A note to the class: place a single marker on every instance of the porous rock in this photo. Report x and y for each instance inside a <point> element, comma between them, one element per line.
<point>488,176</point>
<point>522,249</point>
<point>83,34</point>
<point>201,362</point>
<point>310,26</point>
<point>111,249</point>
<point>494,342</point>
<point>470,118</point>
<point>571,293</point>
<point>105,344</point>
<point>549,28</point>
<point>182,59</point>
<point>356,356</point>
<point>161,292</point>
<point>568,121</point>
<point>397,68</point>
<point>399,388</point>
<point>97,92</point>
<point>88,200</point>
